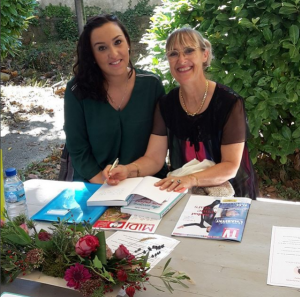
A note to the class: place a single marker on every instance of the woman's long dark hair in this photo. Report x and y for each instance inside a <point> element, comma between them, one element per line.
<point>88,75</point>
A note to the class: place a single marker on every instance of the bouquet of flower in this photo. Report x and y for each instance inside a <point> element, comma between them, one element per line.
<point>78,254</point>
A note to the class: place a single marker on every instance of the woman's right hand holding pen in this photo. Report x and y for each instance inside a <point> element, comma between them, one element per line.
<point>115,175</point>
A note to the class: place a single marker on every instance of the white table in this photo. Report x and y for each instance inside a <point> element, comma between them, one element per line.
<point>218,268</point>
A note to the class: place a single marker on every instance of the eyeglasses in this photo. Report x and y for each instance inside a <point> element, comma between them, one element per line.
<point>187,51</point>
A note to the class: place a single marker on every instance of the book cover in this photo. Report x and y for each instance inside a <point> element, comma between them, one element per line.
<point>213,218</point>
<point>143,206</point>
<point>70,205</point>
<point>114,219</point>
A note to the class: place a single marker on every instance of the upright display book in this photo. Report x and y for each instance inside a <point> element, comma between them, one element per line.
<point>122,194</point>
<point>114,219</point>
<point>70,205</point>
<point>213,218</point>
<point>142,206</point>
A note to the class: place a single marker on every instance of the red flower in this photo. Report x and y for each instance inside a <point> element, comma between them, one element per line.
<point>44,236</point>
<point>122,276</point>
<point>122,252</point>
<point>130,291</point>
<point>76,275</point>
<point>86,245</point>
<point>2,223</point>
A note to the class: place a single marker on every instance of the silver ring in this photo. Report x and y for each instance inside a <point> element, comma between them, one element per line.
<point>172,180</point>
<point>178,181</point>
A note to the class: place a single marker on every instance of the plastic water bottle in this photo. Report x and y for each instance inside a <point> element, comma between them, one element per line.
<point>15,199</point>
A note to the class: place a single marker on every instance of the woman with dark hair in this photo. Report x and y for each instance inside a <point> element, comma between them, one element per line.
<point>109,104</point>
<point>201,119</point>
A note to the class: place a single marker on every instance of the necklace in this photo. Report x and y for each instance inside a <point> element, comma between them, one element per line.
<point>125,92</point>
<point>201,105</point>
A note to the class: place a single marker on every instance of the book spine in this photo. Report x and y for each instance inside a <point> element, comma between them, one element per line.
<point>172,204</point>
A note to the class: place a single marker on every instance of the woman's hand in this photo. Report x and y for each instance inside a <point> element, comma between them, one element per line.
<point>114,176</point>
<point>177,183</point>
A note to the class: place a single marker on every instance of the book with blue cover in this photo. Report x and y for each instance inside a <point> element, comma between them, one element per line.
<point>71,205</point>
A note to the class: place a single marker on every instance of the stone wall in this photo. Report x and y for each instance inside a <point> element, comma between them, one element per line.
<point>106,5</point>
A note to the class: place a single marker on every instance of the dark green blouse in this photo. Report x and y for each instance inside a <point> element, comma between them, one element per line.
<point>96,134</point>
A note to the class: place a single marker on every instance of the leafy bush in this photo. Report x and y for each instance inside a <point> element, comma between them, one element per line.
<point>58,11</point>
<point>256,46</point>
<point>66,27</point>
<point>15,15</point>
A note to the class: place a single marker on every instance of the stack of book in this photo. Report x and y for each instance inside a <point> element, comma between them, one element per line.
<point>137,196</point>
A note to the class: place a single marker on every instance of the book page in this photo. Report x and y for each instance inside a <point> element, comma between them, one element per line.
<point>147,189</point>
<point>284,261</point>
<point>141,244</point>
<point>119,192</point>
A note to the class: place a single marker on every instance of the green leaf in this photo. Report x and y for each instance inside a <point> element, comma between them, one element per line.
<point>101,250</point>
<point>17,239</point>
<point>256,53</point>
<point>283,159</point>
<point>278,98</point>
<point>288,10</point>
<point>97,263</point>
<point>277,136</point>
<point>246,23</point>
<point>267,34</point>
<point>45,245</point>
<point>167,264</point>
<point>222,17</point>
<point>294,34</point>
<point>286,132</point>
<point>296,133</point>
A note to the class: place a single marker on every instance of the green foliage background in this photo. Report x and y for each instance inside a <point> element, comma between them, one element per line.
<point>14,19</point>
<point>256,47</point>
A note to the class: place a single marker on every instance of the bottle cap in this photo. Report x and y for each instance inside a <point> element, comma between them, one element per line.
<point>10,171</point>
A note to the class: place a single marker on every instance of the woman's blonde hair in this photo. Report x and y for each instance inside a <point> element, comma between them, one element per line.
<point>190,37</point>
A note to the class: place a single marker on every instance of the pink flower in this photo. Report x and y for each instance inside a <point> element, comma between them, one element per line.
<point>76,275</point>
<point>86,245</point>
<point>2,223</point>
<point>24,227</point>
<point>44,236</point>
<point>122,276</point>
<point>122,252</point>
<point>130,291</point>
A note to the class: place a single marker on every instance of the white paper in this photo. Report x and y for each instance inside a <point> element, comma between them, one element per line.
<point>135,241</point>
<point>284,262</point>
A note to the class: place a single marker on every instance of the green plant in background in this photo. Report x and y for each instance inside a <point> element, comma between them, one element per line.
<point>129,16</point>
<point>15,16</point>
<point>56,56</point>
<point>58,11</point>
<point>256,46</point>
<point>92,11</point>
<point>66,27</point>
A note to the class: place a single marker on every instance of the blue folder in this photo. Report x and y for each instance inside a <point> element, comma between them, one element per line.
<point>70,205</point>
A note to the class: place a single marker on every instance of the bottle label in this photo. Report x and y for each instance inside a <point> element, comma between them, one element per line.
<point>15,194</point>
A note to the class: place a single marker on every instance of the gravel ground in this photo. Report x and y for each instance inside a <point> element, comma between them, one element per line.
<point>31,124</point>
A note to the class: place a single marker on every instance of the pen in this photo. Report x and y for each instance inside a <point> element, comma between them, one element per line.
<point>114,165</point>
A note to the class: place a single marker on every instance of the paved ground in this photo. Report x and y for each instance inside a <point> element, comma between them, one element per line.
<point>31,124</point>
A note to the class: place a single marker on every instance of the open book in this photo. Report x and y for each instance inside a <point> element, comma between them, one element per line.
<point>213,218</point>
<point>123,193</point>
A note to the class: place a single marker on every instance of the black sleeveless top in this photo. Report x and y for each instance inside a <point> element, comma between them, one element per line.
<point>223,122</point>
